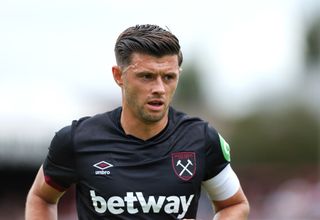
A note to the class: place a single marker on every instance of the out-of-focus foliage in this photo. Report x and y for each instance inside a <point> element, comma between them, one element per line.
<point>313,43</point>
<point>286,137</point>
<point>189,91</point>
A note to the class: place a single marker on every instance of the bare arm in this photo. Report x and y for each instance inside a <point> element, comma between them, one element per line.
<point>42,200</point>
<point>233,208</point>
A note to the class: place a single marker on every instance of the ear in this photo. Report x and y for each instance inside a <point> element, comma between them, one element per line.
<point>117,75</point>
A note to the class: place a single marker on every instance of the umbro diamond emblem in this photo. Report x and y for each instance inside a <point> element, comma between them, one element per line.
<point>102,166</point>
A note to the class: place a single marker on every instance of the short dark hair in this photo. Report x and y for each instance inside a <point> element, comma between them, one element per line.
<point>146,39</point>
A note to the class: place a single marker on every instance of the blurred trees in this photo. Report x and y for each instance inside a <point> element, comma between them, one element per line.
<point>312,52</point>
<point>189,92</point>
<point>280,137</point>
<point>288,134</point>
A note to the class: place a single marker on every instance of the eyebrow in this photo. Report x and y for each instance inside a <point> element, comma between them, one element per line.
<point>134,64</point>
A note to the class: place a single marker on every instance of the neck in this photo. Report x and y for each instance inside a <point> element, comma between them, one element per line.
<point>140,129</point>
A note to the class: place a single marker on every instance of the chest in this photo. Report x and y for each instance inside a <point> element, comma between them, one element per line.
<point>128,177</point>
<point>157,168</point>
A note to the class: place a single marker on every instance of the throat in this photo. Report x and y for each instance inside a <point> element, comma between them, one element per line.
<point>143,130</point>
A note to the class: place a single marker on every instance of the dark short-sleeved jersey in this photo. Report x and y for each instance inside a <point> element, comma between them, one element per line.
<point>119,176</point>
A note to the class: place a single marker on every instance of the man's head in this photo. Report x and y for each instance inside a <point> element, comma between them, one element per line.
<point>148,69</point>
<point>146,39</point>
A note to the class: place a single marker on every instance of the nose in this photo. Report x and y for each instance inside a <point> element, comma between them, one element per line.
<point>158,87</point>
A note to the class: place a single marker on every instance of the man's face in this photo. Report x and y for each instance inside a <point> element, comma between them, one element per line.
<point>149,84</point>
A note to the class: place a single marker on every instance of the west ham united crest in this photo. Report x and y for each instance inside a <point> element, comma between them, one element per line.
<point>184,164</point>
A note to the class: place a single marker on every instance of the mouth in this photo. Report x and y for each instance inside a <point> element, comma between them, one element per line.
<point>155,105</point>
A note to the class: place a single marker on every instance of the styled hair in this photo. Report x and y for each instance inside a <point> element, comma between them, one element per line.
<point>146,39</point>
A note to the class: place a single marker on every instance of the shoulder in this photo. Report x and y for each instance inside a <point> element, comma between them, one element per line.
<point>87,125</point>
<point>181,119</point>
<point>98,127</point>
<point>199,127</point>
<point>106,119</point>
<point>193,127</point>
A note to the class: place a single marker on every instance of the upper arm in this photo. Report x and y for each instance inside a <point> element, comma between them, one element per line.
<point>221,182</point>
<point>57,172</point>
<point>225,190</point>
<point>59,166</point>
<point>43,190</point>
<point>237,199</point>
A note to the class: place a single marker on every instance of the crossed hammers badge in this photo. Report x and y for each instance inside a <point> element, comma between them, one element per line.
<point>184,164</point>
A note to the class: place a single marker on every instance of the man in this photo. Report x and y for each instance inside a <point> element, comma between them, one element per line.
<point>143,160</point>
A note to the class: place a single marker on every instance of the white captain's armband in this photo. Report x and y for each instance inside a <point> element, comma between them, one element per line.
<point>222,186</point>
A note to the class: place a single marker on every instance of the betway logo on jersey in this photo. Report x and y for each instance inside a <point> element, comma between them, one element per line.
<point>135,202</point>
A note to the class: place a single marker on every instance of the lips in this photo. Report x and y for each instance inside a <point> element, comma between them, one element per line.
<point>155,104</point>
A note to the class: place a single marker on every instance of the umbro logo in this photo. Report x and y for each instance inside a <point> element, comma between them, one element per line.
<point>102,167</point>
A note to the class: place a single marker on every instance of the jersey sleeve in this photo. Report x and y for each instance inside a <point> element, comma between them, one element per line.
<point>221,181</point>
<point>217,153</point>
<point>59,165</point>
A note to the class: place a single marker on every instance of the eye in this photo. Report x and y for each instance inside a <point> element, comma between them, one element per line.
<point>146,76</point>
<point>169,77</point>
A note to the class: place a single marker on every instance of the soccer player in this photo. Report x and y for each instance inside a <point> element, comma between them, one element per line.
<point>143,160</point>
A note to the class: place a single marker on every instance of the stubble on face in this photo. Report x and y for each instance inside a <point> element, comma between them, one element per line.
<point>132,100</point>
<point>139,93</point>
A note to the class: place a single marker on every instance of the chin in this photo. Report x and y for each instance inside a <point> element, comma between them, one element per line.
<point>153,117</point>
